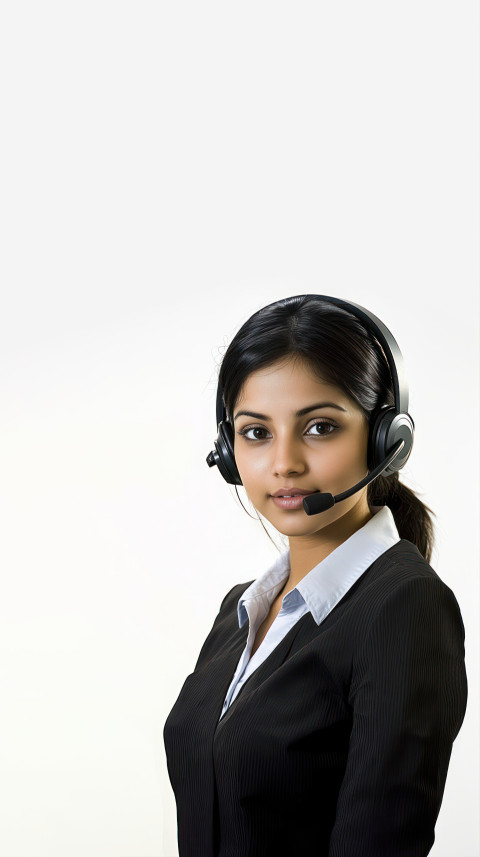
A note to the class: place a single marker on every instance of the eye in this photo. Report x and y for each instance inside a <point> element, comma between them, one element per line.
<point>325,424</point>
<point>244,432</point>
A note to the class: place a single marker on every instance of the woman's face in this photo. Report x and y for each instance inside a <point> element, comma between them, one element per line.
<point>322,450</point>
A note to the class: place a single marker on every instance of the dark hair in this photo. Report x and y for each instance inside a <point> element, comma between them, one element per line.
<point>340,351</point>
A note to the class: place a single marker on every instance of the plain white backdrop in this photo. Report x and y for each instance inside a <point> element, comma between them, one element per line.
<point>167,169</point>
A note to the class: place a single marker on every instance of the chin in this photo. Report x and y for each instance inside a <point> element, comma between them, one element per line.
<point>304,524</point>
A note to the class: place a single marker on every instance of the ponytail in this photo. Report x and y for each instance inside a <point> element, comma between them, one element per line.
<point>412,517</point>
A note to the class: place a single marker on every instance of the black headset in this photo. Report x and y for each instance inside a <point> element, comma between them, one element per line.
<point>391,431</point>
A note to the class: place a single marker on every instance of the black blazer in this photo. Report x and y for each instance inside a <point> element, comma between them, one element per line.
<point>338,744</point>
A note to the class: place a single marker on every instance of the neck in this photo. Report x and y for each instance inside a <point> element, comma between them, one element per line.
<point>307,551</point>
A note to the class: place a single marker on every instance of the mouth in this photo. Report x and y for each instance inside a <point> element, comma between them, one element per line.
<point>292,502</point>
<point>293,492</point>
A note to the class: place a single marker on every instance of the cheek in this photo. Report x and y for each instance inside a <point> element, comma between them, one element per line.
<point>254,467</point>
<point>251,467</point>
<point>345,457</point>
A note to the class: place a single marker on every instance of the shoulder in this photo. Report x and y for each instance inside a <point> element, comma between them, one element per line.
<point>231,598</point>
<point>404,586</point>
<point>397,593</point>
<point>224,625</point>
<point>403,559</point>
<point>402,565</point>
<point>409,633</point>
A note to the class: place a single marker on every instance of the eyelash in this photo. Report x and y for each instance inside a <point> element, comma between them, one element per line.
<point>244,431</point>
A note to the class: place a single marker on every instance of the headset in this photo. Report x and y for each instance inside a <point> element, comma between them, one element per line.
<point>391,430</point>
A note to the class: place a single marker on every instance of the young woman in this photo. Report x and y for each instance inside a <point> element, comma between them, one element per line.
<point>321,713</point>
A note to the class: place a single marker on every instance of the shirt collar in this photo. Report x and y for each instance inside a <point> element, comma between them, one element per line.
<point>331,578</point>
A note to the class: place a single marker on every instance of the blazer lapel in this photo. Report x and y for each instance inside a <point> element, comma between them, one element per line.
<point>305,628</point>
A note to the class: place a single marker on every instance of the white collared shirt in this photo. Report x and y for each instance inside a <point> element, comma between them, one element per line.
<point>318,592</point>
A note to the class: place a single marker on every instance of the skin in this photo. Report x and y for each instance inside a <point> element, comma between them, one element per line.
<point>295,452</point>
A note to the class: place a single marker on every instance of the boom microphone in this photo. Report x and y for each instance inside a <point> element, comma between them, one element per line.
<point>315,503</point>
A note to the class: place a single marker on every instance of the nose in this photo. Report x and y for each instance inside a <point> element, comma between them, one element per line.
<point>287,456</point>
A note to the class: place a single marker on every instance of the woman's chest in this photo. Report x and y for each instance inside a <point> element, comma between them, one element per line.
<point>265,626</point>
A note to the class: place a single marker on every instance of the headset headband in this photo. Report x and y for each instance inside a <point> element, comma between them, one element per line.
<point>375,326</point>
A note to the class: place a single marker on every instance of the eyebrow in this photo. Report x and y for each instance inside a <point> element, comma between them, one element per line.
<point>299,413</point>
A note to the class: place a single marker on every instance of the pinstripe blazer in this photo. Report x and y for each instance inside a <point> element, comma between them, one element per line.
<point>338,745</point>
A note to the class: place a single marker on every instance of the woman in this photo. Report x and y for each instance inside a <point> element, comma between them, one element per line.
<point>321,713</point>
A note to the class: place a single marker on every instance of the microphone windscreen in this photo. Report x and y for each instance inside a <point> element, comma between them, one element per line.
<point>315,503</point>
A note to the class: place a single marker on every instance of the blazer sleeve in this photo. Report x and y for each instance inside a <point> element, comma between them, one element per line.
<point>408,698</point>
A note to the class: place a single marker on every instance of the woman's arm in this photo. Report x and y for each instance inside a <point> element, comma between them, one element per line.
<point>408,693</point>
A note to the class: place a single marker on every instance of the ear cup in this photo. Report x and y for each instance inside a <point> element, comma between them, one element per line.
<point>223,455</point>
<point>390,426</point>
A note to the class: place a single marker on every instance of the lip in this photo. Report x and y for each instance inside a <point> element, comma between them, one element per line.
<point>292,503</point>
<point>294,492</point>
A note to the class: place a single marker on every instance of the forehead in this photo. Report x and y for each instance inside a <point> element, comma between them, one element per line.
<point>289,380</point>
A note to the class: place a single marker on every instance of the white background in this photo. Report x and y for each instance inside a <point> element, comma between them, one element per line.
<point>167,169</point>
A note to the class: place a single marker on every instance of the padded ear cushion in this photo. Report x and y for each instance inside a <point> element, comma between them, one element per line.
<point>389,427</point>
<point>226,457</point>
